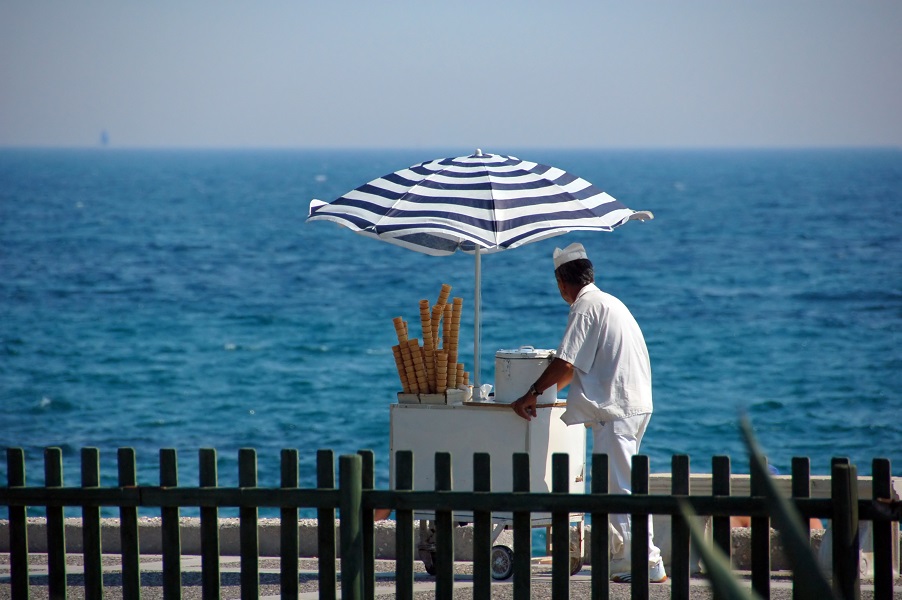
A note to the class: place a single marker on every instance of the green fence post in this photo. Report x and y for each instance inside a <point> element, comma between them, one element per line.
<point>844,491</point>
<point>325,528</point>
<point>404,544</point>
<point>288,528</point>
<point>801,488</point>
<point>482,528</point>
<point>444,532</point>
<point>128,527</point>
<point>600,540</point>
<point>208,477</point>
<point>522,529</point>
<point>90,530</point>
<point>247,515</point>
<point>171,536</point>
<point>679,530</point>
<point>639,524</point>
<point>18,526</point>
<point>883,532</point>
<point>56,530</point>
<point>760,540</point>
<point>720,486</point>
<point>351,489</point>
<point>560,530</point>
<point>366,525</point>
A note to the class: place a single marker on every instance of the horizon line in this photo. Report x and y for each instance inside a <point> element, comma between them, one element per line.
<point>446,148</point>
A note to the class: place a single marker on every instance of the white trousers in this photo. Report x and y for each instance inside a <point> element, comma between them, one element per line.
<point>620,440</point>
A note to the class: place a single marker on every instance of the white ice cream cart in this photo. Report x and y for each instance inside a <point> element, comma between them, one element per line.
<point>492,427</point>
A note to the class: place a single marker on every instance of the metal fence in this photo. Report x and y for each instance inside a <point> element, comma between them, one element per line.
<point>355,498</point>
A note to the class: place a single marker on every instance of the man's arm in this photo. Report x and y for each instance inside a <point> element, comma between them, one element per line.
<point>559,372</point>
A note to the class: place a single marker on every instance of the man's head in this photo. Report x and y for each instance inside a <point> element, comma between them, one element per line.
<point>573,271</point>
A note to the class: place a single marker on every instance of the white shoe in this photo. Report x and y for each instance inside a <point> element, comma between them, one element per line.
<point>656,574</point>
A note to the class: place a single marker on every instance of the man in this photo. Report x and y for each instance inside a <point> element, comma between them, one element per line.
<point>603,358</point>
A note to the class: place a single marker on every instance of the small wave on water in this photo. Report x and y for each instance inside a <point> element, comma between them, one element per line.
<point>49,405</point>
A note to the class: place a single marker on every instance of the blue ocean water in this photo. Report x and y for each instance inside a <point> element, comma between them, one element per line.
<point>177,299</point>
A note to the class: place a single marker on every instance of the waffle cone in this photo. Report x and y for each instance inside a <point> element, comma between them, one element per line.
<point>436,324</point>
<point>455,319</point>
<point>446,325</point>
<point>409,369</point>
<point>442,380</point>
<point>400,329</point>
<point>428,338</point>
<point>444,294</point>
<point>399,364</point>
<point>430,367</point>
<point>420,370</point>
<point>426,323</point>
<point>452,374</point>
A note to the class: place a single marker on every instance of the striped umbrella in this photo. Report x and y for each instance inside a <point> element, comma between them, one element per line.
<point>478,204</point>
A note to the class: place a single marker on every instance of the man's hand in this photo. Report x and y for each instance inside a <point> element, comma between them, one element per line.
<point>559,372</point>
<point>525,406</point>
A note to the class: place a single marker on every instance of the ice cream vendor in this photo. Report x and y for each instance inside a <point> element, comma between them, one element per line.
<point>603,358</point>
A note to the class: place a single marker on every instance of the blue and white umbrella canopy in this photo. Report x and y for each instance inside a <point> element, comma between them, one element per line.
<point>488,202</point>
<point>478,204</point>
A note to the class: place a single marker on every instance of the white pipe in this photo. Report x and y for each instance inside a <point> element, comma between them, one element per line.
<point>476,302</point>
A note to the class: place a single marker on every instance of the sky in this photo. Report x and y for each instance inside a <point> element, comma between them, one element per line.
<point>405,74</point>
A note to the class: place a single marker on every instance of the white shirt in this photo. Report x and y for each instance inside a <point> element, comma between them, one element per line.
<point>611,368</point>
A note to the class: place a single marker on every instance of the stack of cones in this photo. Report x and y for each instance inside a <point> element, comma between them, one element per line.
<point>432,368</point>
<point>406,368</point>
<point>453,340</point>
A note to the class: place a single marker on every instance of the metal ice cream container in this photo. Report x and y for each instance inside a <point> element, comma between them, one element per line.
<point>517,369</point>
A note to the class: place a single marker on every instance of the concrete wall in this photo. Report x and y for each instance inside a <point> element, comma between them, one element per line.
<point>150,539</point>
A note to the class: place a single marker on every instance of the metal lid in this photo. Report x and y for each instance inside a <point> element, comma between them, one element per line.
<point>525,352</point>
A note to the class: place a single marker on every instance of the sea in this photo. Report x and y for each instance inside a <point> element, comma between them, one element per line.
<point>157,299</point>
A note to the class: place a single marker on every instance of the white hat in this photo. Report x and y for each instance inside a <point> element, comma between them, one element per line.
<point>572,252</point>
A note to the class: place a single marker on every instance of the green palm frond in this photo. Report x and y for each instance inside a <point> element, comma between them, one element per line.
<point>786,519</point>
<point>810,581</point>
<point>724,583</point>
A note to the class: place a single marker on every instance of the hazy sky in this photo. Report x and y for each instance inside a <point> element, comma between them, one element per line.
<point>497,75</point>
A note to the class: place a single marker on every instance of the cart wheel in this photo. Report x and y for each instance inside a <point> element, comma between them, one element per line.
<point>428,559</point>
<point>502,562</point>
<point>576,564</point>
<point>576,561</point>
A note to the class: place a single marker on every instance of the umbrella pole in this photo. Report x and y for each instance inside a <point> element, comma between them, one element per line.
<point>476,302</point>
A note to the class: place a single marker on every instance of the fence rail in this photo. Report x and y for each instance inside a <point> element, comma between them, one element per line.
<point>355,498</point>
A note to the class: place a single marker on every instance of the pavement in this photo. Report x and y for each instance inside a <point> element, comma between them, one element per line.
<point>424,584</point>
